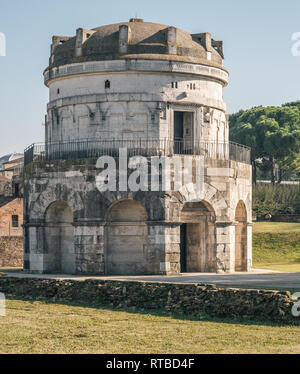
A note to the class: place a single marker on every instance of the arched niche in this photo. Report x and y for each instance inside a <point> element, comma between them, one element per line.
<point>126,239</point>
<point>198,238</point>
<point>59,239</point>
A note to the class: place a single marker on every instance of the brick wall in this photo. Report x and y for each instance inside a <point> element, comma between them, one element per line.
<point>11,251</point>
<point>13,207</point>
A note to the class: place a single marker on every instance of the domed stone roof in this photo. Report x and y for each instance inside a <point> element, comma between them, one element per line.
<point>146,40</point>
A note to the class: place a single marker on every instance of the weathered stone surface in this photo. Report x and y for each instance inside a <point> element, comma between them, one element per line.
<point>187,299</point>
<point>103,223</point>
<point>170,89</point>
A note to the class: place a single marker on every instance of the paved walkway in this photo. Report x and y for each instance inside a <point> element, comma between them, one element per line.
<point>255,279</point>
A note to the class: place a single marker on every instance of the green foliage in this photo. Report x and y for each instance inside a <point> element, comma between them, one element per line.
<point>273,133</point>
<point>279,199</point>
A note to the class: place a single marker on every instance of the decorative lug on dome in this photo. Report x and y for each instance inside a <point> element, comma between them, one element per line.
<point>172,41</point>
<point>124,39</point>
<point>81,36</point>
<point>57,40</point>
<point>205,40</point>
<point>218,45</point>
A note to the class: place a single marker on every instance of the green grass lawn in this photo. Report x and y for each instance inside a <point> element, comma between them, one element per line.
<point>276,246</point>
<point>41,327</point>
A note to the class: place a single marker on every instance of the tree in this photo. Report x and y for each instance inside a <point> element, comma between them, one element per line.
<point>273,133</point>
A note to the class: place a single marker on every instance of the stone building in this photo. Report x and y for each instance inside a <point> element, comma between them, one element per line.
<point>153,90</point>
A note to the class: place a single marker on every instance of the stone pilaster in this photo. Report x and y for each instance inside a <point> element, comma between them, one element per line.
<point>89,247</point>
<point>225,247</point>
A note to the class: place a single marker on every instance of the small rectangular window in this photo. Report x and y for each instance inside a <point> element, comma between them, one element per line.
<point>15,221</point>
<point>17,190</point>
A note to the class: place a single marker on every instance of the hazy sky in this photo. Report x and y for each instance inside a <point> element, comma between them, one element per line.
<point>257,41</point>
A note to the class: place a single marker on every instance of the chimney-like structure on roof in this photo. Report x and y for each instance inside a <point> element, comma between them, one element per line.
<point>81,36</point>
<point>205,40</point>
<point>172,41</point>
<point>124,39</point>
<point>57,40</point>
<point>218,45</point>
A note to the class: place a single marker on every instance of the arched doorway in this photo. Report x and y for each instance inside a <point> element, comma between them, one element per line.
<point>126,239</point>
<point>197,238</point>
<point>59,239</point>
<point>241,237</point>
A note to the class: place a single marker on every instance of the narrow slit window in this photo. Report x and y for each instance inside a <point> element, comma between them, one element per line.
<point>15,221</point>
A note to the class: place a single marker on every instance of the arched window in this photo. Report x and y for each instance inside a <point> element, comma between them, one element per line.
<point>107,84</point>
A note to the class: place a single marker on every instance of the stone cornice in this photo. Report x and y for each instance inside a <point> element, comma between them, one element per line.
<point>125,97</point>
<point>139,65</point>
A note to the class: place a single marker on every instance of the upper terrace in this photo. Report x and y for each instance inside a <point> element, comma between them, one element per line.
<point>138,147</point>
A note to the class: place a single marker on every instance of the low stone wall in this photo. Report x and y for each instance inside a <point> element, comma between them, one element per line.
<point>11,251</point>
<point>187,299</point>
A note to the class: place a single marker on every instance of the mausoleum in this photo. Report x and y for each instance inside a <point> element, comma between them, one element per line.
<point>154,91</point>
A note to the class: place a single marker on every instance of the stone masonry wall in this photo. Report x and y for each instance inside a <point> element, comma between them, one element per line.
<point>187,299</point>
<point>74,182</point>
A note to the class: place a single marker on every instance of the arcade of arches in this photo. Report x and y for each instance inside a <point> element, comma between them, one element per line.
<point>127,249</point>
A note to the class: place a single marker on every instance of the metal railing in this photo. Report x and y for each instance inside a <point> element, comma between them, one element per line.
<point>138,147</point>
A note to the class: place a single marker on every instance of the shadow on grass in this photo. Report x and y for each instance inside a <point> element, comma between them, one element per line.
<point>200,317</point>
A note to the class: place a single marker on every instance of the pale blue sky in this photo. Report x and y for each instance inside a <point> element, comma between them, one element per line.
<point>256,34</point>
